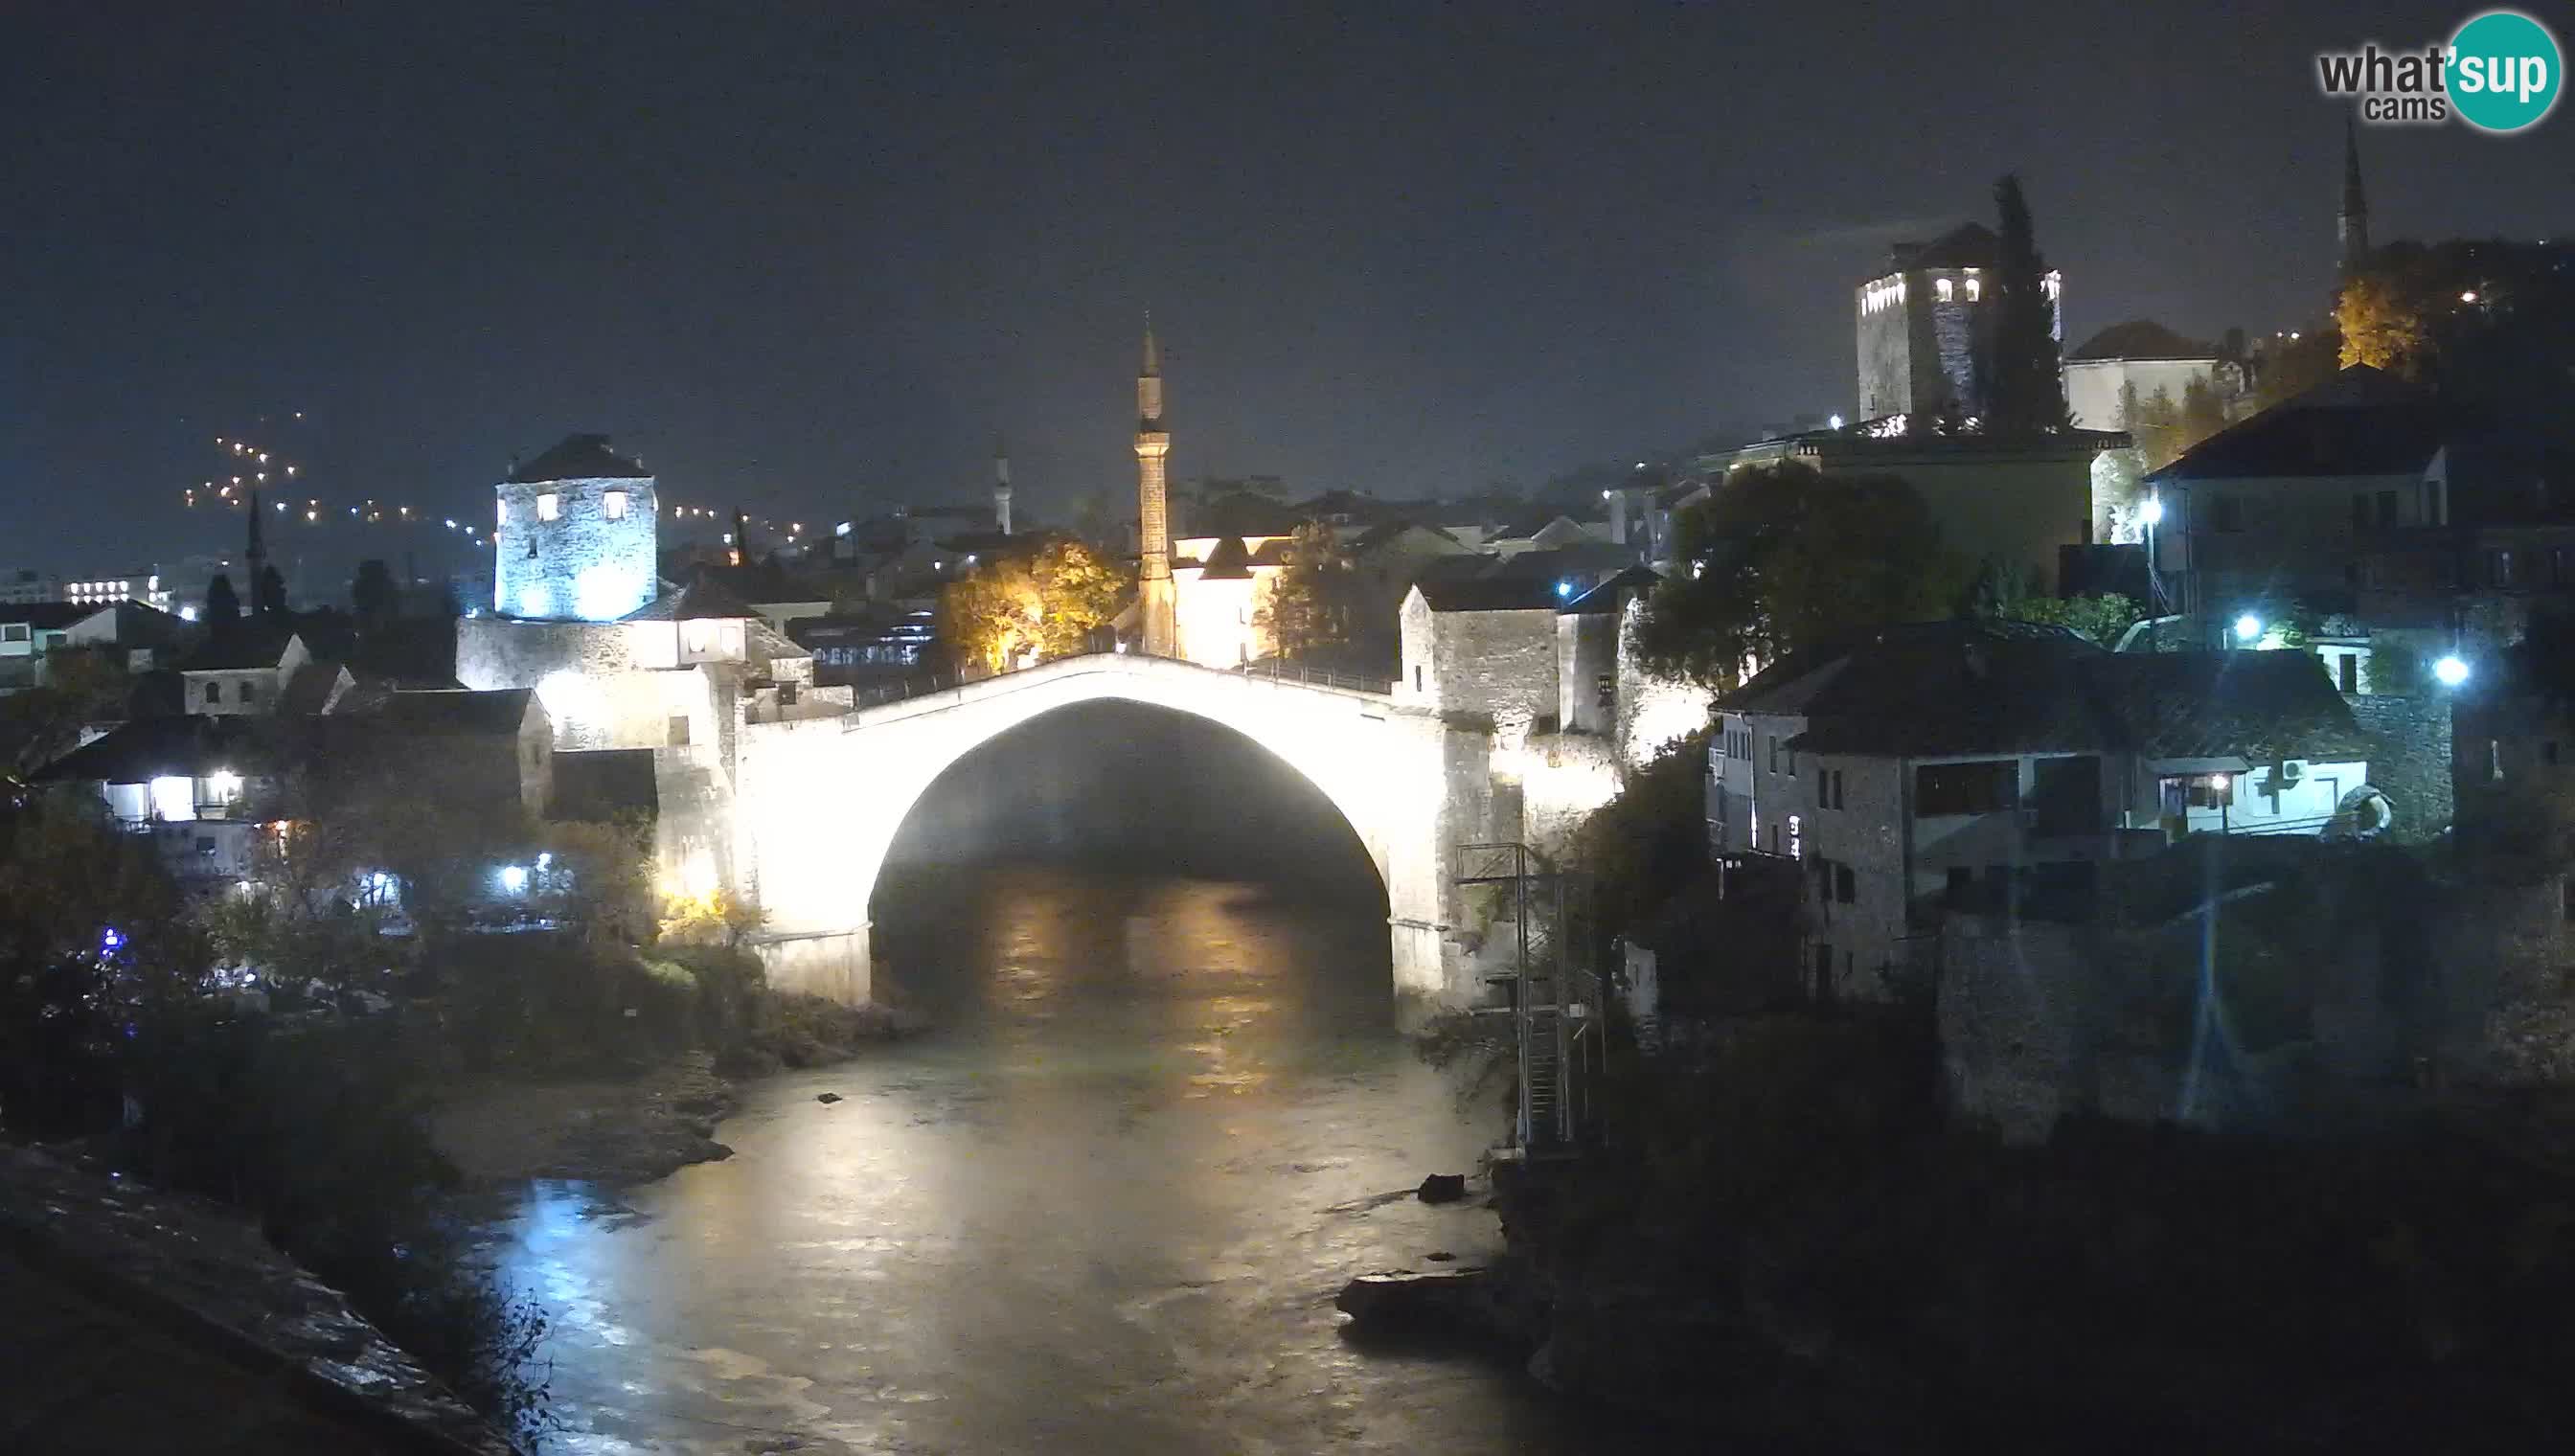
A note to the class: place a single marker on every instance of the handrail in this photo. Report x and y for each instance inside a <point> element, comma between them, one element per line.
<point>922,685</point>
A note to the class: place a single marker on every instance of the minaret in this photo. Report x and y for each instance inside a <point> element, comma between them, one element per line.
<point>1157,602</point>
<point>255,556</point>
<point>1000,485</point>
<point>2351,226</point>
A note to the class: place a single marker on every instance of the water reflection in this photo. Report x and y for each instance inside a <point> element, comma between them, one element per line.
<point>1104,1208</point>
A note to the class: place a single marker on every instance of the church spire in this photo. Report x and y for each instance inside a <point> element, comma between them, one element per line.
<point>2351,225</point>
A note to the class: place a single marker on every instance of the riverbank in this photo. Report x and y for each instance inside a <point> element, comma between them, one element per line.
<point>1781,1242</point>
<point>635,1127</point>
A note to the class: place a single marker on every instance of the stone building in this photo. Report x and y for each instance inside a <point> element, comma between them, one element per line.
<point>1968,764</point>
<point>1925,322</point>
<point>2138,360</point>
<point>575,535</point>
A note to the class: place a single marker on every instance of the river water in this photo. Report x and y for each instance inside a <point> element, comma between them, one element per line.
<point>1103,1206</point>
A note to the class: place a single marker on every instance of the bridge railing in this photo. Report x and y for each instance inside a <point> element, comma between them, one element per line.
<point>924,685</point>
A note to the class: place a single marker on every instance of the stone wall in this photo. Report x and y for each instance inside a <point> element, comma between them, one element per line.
<point>2409,759</point>
<point>582,564</point>
<point>1497,665</point>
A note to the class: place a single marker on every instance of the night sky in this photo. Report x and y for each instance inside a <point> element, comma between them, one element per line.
<point>809,257</point>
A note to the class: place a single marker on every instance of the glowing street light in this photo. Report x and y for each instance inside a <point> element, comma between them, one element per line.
<point>2152,513</point>
<point>2451,671</point>
<point>2247,628</point>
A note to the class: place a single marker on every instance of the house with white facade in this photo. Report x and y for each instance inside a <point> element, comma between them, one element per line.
<point>1973,764</point>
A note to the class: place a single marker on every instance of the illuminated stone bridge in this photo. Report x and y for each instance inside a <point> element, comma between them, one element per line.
<point>818,801</point>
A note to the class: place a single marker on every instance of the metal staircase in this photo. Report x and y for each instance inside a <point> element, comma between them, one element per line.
<point>1547,991</point>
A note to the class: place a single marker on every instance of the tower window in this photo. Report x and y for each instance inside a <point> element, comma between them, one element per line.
<point>1975,289</point>
<point>1944,288</point>
<point>505,512</point>
<point>549,507</point>
<point>613,505</point>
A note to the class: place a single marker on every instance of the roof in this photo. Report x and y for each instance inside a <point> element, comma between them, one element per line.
<point>1489,594</point>
<point>452,710</point>
<point>310,688</point>
<point>1226,561</point>
<point>702,599</point>
<point>580,457</point>
<point>46,615</point>
<point>1386,531</point>
<point>239,646</point>
<point>2359,423</point>
<point>1241,513</point>
<point>598,785</point>
<point>1612,596</point>
<point>2140,339</point>
<point>1969,245</point>
<point>1976,687</point>
<point>189,745</point>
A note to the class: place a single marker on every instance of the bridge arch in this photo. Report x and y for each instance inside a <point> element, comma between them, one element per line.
<point>818,801</point>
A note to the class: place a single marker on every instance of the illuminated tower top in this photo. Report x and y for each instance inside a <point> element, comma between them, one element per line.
<point>576,535</point>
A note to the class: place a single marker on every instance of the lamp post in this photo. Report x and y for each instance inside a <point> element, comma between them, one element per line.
<point>2152,513</point>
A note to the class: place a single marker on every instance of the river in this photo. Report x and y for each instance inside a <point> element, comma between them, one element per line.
<point>1103,1206</point>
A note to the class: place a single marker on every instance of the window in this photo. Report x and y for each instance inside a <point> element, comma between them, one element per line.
<point>2388,508</point>
<point>1975,289</point>
<point>2347,672</point>
<point>1416,677</point>
<point>1605,685</point>
<point>13,631</point>
<point>1774,752</point>
<point>677,733</point>
<point>1838,789</point>
<point>549,507</point>
<point>2499,569</point>
<point>1846,884</point>
<point>2197,791</point>
<point>1796,837</point>
<point>504,518</point>
<point>1944,288</point>
<point>1960,887</point>
<point>613,505</point>
<point>2065,795</point>
<point>1966,789</point>
<point>213,693</point>
<point>248,693</point>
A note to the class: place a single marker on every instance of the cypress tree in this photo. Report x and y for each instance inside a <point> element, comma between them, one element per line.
<point>2023,390</point>
<point>222,605</point>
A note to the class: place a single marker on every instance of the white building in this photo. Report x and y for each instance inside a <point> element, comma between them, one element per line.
<point>2138,360</point>
<point>1968,766</point>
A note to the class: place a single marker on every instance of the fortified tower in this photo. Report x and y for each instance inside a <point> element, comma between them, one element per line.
<point>1157,602</point>
<point>577,534</point>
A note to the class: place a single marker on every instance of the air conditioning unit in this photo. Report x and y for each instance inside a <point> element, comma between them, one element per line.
<point>2289,771</point>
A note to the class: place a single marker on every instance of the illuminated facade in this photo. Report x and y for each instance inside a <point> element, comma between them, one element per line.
<point>575,534</point>
<point>1923,324</point>
<point>1158,603</point>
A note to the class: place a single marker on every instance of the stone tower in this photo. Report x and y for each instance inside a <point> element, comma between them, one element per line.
<point>1001,486</point>
<point>576,535</point>
<point>1157,604</point>
<point>2351,225</point>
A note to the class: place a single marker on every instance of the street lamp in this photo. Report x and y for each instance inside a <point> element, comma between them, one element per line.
<point>2451,671</point>
<point>2247,628</point>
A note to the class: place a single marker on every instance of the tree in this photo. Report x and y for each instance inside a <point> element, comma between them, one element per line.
<point>1012,614</point>
<point>38,724</point>
<point>2294,365</point>
<point>1780,559</point>
<point>1307,607</point>
<point>222,606</point>
<point>268,594</point>
<point>2010,594</point>
<point>2023,389</point>
<point>371,595</point>
<point>2383,326</point>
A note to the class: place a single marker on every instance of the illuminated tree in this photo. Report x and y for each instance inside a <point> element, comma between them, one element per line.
<point>1307,607</point>
<point>1017,612</point>
<point>2383,326</point>
<point>1780,558</point>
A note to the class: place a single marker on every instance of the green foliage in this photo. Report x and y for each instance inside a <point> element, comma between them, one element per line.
<point>1013,613</point>
<point>69,999</point>
<point>223,603</point>
<point>1780,559</point>
<point>1652,840</point>
<point>40,723</point>
<point>2023,389</point>
<point>1309,605</point>
<point>2103,617</point>
<point>2393,668</point>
